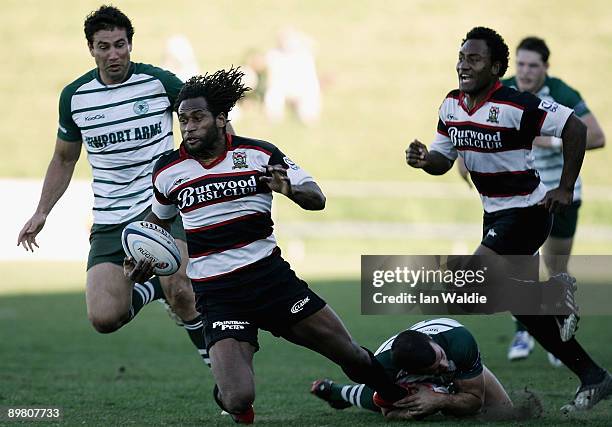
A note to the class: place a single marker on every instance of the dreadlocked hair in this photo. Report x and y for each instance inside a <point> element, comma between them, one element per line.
<point>221,90</point>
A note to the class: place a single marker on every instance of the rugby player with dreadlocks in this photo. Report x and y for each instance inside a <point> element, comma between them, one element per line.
<point>222,186</point>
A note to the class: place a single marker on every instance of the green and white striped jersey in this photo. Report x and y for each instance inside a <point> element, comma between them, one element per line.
<point>549,161</point>
<point>125,128</point>
<point>457,342</point>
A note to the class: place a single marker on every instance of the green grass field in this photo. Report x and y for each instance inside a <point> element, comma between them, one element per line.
<point>386,67</point>
<point>148,373</point>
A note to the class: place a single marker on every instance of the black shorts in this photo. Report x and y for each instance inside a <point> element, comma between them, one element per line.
<point>564,224</point>
<point>274,304</point>
<point>516,231</point>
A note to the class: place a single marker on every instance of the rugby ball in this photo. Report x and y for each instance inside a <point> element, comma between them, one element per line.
<point>141,239</point>
<point>413,387</point>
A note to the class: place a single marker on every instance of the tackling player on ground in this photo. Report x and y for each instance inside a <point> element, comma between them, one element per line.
<point>492,128</point>
<point>121,112</point>
<point>439,362</point>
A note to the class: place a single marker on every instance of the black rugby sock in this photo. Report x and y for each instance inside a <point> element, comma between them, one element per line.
<point>195,330</point>
<point>545,330</point>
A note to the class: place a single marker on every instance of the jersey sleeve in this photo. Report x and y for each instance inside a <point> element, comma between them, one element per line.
<point>67,129</point>
<point>296,174</point>
<point>465,354</point>
<point>442,142</point>
<point>384,358</point>
<point>541,117</point>
<point>172,84</point>
<point>161,206</point>
<point>568,96</point>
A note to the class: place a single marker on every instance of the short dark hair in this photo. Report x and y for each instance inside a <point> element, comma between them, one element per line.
<point>535,44</point>
<point>412,350</point>
<point>496,44</point>
<point>107,18</point>
<point>221,90</point>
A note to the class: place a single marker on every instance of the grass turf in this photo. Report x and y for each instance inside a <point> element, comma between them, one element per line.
<point>148,373</point>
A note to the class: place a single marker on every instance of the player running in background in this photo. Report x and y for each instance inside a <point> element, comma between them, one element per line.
<point>122,112</point>
<point>439,362</point>
<point>222,186</point>
<point>492,128</point>
<point>532,76</point>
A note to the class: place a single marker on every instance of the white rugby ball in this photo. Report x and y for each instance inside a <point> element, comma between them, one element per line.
<point>141,239</point>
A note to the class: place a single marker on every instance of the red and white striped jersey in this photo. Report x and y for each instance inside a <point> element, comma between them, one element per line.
<point>226,210</point>
<point>495,139</point>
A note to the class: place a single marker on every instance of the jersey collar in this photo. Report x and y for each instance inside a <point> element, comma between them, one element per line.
<point>476,107</point>
<point>127,76</point>
<point>208,165</point>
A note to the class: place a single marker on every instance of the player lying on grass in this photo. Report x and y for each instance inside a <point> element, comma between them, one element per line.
<point>438,362</point>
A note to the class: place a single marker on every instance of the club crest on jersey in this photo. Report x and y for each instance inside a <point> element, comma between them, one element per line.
<point>493,115</point>
<point>141,107</point>
<point>240,160</point>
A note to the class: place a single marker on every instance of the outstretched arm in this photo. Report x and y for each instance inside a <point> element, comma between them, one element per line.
<point>467,401</point>
<point>308,195</point>
<point>59,174</point>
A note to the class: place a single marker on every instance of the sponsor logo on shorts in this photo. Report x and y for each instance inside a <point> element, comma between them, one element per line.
<point>230,324</point>
<point>492,233</point>
<point>298,306</point>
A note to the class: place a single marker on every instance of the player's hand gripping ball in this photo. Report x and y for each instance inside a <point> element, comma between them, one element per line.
<point>141,239</point>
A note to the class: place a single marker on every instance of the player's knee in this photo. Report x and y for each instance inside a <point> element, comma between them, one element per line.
<point>182,301</point>
<point>237,401</point>
<point>105,325</point>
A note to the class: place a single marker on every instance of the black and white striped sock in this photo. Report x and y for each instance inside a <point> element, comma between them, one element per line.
<point>144,293</point>
<point>195,329</point>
